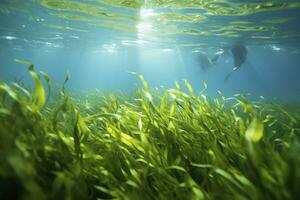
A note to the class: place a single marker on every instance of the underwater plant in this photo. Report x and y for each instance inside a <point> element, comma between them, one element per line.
<point>149,145</point>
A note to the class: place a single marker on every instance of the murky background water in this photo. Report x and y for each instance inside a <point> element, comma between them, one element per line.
<point>101,41</point>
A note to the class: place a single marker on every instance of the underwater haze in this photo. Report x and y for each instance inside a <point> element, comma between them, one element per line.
<point>149,99</point>
<point>101,42</point>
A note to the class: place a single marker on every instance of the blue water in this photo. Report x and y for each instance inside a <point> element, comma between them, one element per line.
<point>100,51</point>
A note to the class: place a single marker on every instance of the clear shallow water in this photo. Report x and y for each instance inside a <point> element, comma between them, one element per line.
<point>100,42</point>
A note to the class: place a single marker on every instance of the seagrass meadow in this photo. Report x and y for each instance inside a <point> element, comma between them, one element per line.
<point>174,144</point>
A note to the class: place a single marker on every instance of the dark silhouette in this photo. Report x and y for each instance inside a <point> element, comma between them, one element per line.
<point>238,52</point>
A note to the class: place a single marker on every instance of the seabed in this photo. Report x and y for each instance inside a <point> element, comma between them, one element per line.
<point>174,144</point>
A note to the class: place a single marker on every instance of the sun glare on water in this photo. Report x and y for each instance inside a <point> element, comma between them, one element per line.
<point>145,27</point>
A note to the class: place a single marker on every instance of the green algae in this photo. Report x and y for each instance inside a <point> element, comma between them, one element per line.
<point>22,62</point>
<point>174,144</point>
